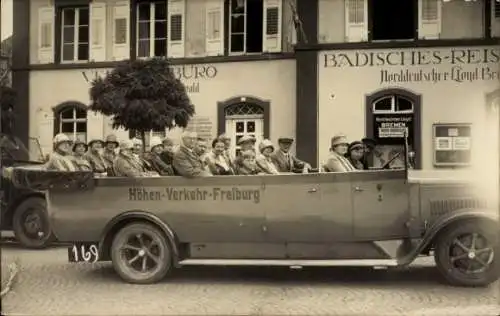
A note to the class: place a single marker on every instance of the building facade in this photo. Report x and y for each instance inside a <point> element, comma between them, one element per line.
<point>431,70</point>
<point>239,74</point>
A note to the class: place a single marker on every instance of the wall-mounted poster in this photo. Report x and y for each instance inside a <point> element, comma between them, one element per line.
<point>452,144</point>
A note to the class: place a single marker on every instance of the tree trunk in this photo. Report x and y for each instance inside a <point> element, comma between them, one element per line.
<point>143,138</point>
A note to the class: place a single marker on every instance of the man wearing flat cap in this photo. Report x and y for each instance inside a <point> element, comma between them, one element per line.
<point>246,143</point>
<point>286,161</point>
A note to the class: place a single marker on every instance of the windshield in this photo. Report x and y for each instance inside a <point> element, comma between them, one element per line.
<point>12,148</point>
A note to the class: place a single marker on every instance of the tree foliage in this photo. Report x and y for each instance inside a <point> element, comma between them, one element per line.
<point>8,98</point>
<point>142,95</point>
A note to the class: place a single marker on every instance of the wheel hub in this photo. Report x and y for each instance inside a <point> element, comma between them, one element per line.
<point>471,255</point>
<point>142,253</point>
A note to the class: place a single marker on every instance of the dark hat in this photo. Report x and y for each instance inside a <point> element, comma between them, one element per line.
<point>95,141</point>
<point>369,142</point>
<point>355,145</point>
<point>79,142</point>
<point>285,140</point>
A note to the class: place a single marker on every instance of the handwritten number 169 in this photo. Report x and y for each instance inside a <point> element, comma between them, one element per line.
<point>92,255</point>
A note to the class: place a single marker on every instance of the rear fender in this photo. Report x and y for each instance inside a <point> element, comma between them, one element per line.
<point>445,221</point>
<point>113,226</point>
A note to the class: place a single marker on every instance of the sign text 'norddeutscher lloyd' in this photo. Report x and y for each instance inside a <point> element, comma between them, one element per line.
<point>423,65</point>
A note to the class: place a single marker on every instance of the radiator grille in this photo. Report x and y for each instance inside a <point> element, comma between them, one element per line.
<point>440,207</point>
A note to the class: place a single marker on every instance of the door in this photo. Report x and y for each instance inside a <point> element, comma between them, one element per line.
<point>381,204</point>
<point>238,126</point>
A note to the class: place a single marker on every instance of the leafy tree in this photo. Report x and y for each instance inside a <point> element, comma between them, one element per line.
<point>142,95</point>
<point>7,101</point>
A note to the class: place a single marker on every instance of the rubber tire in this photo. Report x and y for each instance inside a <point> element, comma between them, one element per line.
<point>18,226</point>
<point>166,266</point>
<point>441,255</point>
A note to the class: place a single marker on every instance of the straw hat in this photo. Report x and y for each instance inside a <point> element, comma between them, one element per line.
<point>266,143</point>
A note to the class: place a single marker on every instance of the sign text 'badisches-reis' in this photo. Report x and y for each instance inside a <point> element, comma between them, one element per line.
<point>194,194</point>
<point>454,64</point>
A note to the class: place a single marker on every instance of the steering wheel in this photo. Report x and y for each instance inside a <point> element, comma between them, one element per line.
<point>387,164</point>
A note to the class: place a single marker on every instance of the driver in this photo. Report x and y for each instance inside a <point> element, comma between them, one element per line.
<point>337,162</point>
<point>61,159</point>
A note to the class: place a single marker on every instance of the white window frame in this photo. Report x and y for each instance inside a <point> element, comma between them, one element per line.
<point>393,105</point>
<point>231,121</point>
<point>152,36</point>
<point>230,33</point>
<point>76,41</point>
<point>74,120</point>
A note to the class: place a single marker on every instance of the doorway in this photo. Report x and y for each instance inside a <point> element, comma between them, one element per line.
<point>393,19</point>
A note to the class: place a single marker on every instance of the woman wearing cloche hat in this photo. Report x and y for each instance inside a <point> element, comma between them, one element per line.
<point>265,161</point>
<point>337,162</point>
<point>155,158</point>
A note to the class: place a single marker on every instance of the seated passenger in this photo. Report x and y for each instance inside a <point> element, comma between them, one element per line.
<point>60,159</point>
<point>201,149</point>
<point>139,154</point>
<point>368,158</point>
<point>337,162</point>
<point>218,162</point>
<point>286,161</point>
<point>265,161</point>
<point>79,150</point>
<point>227,147</point>
<point>155,160</point>
<point>355,153</point>
<point>247,164</point>
<point>109,154</point>
<point>186,162</point>
<point>95,156</point>
<point>125,164</point>
<point>168,151</point>
<point>246,143</point>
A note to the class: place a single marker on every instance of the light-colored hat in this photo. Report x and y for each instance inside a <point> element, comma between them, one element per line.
<point>246,139</point>
<point>136,141</point>
<point>248,153</point>
<point>339,139</point>
<point>93,141</point>
<point>61,138</point>
<point>266,143</point>
<point>168,142</point>
<point>126,144</point>
<point>111,138</point>
<point>224,137</point>
<point>155,141</point>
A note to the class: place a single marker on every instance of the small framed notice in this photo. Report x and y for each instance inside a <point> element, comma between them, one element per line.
<point>452,144</point>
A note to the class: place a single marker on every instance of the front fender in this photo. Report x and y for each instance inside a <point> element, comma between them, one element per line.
<point>445,221</point>
<point>121,220</point>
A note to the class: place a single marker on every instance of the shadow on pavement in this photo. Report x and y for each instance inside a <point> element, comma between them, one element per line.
<point>412,277</point>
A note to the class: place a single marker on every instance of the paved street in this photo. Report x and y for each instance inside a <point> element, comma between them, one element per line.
<point>47,285</point>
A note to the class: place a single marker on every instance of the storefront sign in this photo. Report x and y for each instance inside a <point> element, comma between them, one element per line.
<point>423,65</point>
<point>194,194</point>
<point>392,125</point>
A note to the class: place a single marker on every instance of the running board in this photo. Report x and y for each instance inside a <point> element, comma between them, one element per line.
<point>291,263</point>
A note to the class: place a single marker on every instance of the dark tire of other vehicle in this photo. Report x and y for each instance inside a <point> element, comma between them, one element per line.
<point>141,253</point>
<point>467,254</point>
<point>31,223</point>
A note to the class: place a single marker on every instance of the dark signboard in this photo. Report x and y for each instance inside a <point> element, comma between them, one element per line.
<point>452,145</point>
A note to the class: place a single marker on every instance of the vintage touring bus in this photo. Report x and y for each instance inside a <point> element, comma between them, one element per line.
<point>148,227</point>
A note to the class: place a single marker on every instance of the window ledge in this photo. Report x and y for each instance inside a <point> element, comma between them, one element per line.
<point>175,61</point>
<point>398,44</point>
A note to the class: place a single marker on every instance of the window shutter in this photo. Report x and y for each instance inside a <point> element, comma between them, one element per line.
<point>95,125</point>
<point>176,22</point>
<point>46,18</point>
<point>97,32</point>
<point>45,128</point>
<point>121,27</point>
<point>429,19</point>
<point>271,30</point>
<point>356,17</point>
<point>214,27</point>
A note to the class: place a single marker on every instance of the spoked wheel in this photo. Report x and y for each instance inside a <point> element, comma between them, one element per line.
<point>467,254</point>
<point>31,224</point>
<point>141,254</point>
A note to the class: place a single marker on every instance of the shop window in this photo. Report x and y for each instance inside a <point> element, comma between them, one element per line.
<point>244,119</point>
<point>393,19</point>
<point>72,121</point>
<point>74,34</point>
<point>152,28</point>
<point>452,145</point>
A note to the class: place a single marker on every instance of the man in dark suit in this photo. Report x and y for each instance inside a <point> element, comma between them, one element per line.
<point>186,162</point>
<point>370,145</point>
<point>286,161</point>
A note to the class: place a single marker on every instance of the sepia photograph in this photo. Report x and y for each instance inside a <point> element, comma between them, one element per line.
<point>250,157</point>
